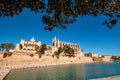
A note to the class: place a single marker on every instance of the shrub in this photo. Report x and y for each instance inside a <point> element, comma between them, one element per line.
<point>9,54</point>
<point>53,56</point>
<point>31,55</point>
<point>39,55</point>
<point>57,56</point>
<point>5,55</point>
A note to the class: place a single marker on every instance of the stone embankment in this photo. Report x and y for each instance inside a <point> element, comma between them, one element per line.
<point>25,61</point>
<point>109,78</point>
<point>3,73</point>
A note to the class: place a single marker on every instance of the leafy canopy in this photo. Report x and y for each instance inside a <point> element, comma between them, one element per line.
<point>68,51</point>
<point>7,46</point>
<point>41,49</point>
<point>59,13</point>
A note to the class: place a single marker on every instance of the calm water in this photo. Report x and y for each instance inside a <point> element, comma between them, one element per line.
<point>67,72</point>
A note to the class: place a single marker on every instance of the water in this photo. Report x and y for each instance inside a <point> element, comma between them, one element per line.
<point>67,72</point>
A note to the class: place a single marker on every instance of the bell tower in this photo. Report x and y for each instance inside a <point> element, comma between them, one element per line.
<point>54,41</point>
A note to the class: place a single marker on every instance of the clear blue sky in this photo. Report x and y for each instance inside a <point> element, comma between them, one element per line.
<point>87,31</point>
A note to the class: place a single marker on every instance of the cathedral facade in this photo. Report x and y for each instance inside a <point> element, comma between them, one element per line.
<point>56,44</point>
<point>28,45</point>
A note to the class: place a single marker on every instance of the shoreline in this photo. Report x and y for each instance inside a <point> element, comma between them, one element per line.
<point>7,69</point>
<point>117,77</point>
<point>24,61</point>
<point>7,74</point>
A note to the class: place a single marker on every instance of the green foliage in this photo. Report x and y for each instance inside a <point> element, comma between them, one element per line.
<point>49,48</point>
<point>60,50</point>
<point>59,13</point>
<point>53,56</point>
<point>31,55</point>
<point>68,51</point>
<point>14,7</point>
<point>39,55</point>
<point>9,54</point>
<point>5,55</point>
<point>115,58</point>
<point>37,48</point>
<point>7,46</point>
<point>41,49</point>
<point>56,54</point>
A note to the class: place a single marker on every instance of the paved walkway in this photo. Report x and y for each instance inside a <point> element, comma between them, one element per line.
<point>109,78</point>
<point>3,73</point>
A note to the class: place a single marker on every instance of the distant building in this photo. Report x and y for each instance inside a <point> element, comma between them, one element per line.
<point>28,45</point>
<point>106,56</point>
<point>92,54</point>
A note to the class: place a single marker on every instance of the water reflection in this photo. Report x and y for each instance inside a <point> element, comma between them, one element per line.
<point>67,72</point>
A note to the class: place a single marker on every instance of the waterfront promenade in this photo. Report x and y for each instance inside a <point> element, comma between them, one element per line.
<point>25,61</point>
<point>4,70</point>
<point>109,78</point>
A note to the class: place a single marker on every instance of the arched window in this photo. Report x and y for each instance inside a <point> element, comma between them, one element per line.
<point>53,44</point>
<point>56,44</point>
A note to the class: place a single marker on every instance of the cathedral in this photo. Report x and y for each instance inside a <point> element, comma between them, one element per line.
<point>57,43</point>
<point>25,45</point>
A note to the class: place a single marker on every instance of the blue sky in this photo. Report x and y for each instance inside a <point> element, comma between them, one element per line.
<point>87,31</point>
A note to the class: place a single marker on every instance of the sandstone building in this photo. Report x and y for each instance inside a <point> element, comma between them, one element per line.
<point>56,44</point>
<point>29,46</point>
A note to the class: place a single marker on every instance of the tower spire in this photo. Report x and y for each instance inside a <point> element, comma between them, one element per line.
<point>55,38</point>
<point>32,39</point>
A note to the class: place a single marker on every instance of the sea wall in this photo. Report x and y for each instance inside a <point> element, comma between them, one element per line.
<point>26,61</point>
